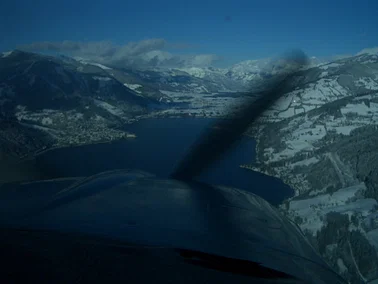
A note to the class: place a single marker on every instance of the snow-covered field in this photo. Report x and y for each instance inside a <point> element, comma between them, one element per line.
<point>313,210</point>
<point>109,108</point>
<point>134,87</point>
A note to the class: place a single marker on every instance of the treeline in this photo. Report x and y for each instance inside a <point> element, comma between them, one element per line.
<point>337,241</point>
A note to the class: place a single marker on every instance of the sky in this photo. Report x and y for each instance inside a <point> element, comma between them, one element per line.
<point>228,30</point>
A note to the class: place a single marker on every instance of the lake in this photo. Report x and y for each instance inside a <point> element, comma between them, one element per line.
<point>159,146</point>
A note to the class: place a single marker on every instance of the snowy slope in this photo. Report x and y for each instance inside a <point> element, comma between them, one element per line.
<point>321,139</point>
<point>84,61</point>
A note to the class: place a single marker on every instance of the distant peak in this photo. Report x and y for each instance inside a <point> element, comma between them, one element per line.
<point>7,53</point>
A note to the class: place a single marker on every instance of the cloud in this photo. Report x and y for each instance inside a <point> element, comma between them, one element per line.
<point>372,50</point>
<point>182,45</point>
<point>143,54</point>
<point>339,56</point>
<point>204,59</point>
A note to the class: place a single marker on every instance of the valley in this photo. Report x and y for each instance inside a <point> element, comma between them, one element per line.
<point>320,138</point>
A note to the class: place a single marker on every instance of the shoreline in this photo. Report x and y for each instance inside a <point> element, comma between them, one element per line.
<point>43,151</point>
<point>250,167</point>
<point>128,136</point>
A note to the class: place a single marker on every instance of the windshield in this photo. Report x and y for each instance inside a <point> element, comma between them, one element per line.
<point>94,86</point>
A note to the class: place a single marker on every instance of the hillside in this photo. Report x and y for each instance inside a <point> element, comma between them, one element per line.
<point>321,139</point>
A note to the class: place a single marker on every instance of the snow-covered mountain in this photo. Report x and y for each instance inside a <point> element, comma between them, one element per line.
<point>194,79</point>
<point>48,101</point>
<point>246,71</point>
<point>240,76</point>
<point>321,139</point>
<point>189,78</point>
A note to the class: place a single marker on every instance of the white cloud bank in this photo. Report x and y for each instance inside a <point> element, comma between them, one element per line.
<point>143,54</point>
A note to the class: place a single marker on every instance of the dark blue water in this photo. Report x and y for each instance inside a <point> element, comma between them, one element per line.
<point>159,146</point>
